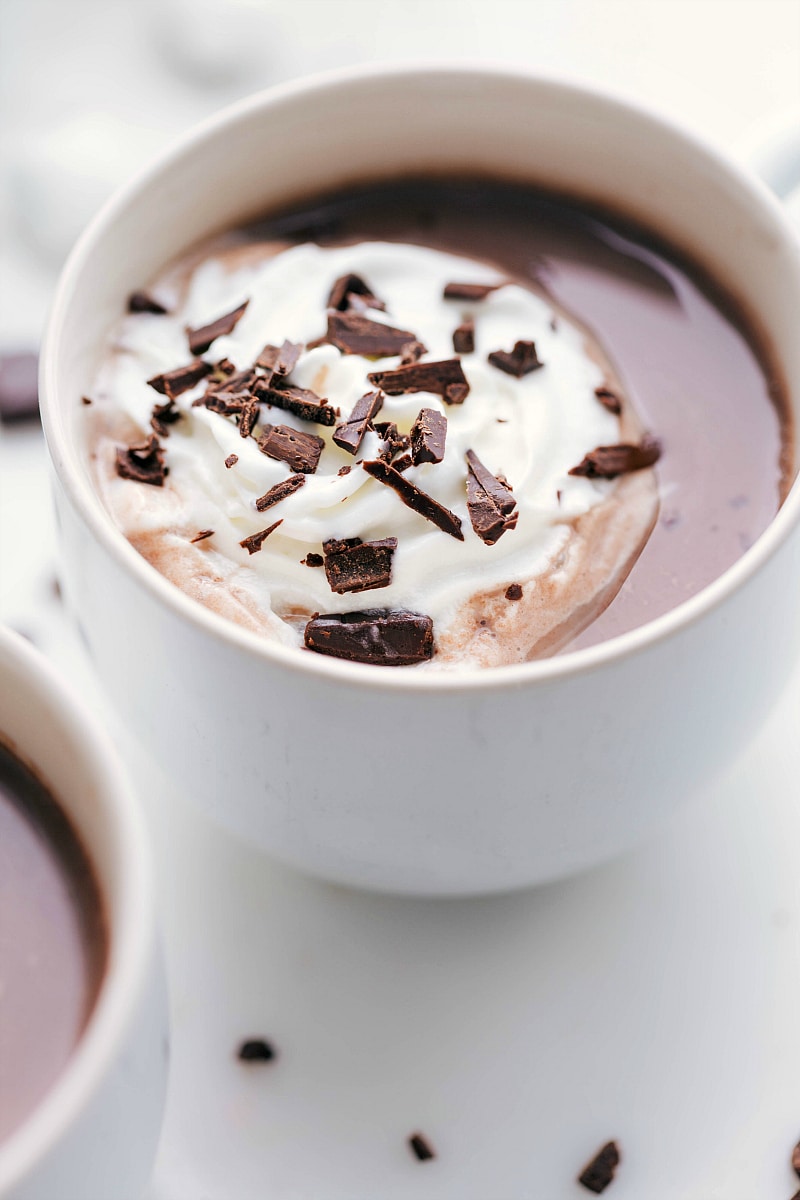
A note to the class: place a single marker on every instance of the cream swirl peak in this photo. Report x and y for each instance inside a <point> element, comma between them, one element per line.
<point>562,542</point>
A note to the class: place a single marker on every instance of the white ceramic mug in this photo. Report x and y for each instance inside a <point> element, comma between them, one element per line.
<point>503,777</point>
<point>93,1136</point>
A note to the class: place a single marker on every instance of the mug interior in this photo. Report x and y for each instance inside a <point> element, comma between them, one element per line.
<point>352,127</point>
<point>43,725</point>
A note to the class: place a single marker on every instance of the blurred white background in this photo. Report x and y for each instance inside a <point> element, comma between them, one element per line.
<point>89,89</point>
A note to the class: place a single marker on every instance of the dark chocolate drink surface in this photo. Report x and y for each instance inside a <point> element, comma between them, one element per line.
<point>52,942</point>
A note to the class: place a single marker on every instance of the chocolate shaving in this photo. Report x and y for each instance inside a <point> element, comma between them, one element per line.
<point>353,333</point>
<point>598,1174</point>
<point>412,352</point>
<point>312,560</point>
<point>279,360</point>
<point>490,502</point>
<point>175,383</point>
<point>254,543</point>
<point>607,462</point>
<point>279,491</point>
<point>445,379</point>
<point>393,441</point>
<point>202,535</point>
<point>428,434</point>
<point>464,337</point>
<point>301,401</point>
<point>347,286</point>
<point>518,362</point>
<point>513,592</point>
<point>355,566</point>
<point>403,462</point>
<point>227,404</point>
<point>350,433</point>
<point>300,451</point>
<point>421,1147</point>
<point>19,387</point>
<point>162,416</point>
<point>143,302</point>
<point>200,339</point>
<point>227,379</point>
<point>256,1050</point>
<point>143,463</point>
<point>379,637</point>
<point>249,416</point>
<point>609,400</point>
<point>469,291</point>
<point>415,498</point>
<point>231,460</point>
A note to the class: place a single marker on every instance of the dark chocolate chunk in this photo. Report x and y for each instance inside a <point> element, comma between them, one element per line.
<point>304,403</point>
<point>464,337</point>
<point>469,291</point>
<point>415,498</point>
<point>598,1174</point>
<point>200,339</point>
<point>347,286</point>
<point>254,543</point>
<point>162,416</point>
<point>202,535</point>
<point>231,460</point>
<point>393,441</point>
<point>389,639</point>
<point>349,433</point>
<point>355,566</point>
<point>412,352</point>
<point>609,399</point>
<point>227,404</point>
<point>312,560</point>
<point>143,463</point>
<point>279,491</point>
<point>513,592</point>
<point>421,1147</point>
<point>174,383</point>
<point>248,417</point>
<point>607,462</point>
<point>300,451</point>
<point>19,388</point>
<point>403,462</point>
<point>796,1160</point>
<point>520,361</point>
<point>353,333</point>
<point>225,378</point>
<point>143,302</point>
<point>428,434</point>
<point>256,1050</point>
<point>279,360</point>
<point>490,502</point>
<point>445,379</point>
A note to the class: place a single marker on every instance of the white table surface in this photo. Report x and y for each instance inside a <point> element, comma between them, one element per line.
<point>654,1000</point>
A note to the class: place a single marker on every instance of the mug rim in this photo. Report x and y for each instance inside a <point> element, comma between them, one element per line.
<point>316,666</point>
<point>130,921</point>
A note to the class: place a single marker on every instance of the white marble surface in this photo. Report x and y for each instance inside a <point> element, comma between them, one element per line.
<point>653,1000</point>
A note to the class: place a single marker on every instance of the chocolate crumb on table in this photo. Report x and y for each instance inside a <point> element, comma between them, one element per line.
<point>256,1050</point>
<point>517,362</point>
<point>19,387</point>
<point>421,1147</point>
<point>445,378</point>
<point>377,637</point>
<point>598,1174</point>
<point>200,339</point>
<point>255,541</point>
<point>142,463</point>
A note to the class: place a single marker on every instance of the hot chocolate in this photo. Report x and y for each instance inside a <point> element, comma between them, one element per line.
<point>52,941</point>
<point>454,410</point>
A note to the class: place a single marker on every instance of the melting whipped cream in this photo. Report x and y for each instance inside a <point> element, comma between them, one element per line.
<point>530,430</point>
